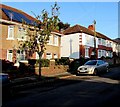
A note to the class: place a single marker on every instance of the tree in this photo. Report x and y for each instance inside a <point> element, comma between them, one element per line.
<point>38,35</point>
<point>63,25</point>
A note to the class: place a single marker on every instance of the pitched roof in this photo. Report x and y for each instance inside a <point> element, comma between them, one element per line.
<point>6,17</point>
<point>78,29</point>
<point>117,40</point>
<point>81,29</point>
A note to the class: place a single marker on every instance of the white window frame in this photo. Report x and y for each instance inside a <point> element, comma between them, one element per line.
<point>55,42</point>
<point>99,53</point>
<point>10,33</point>
<point>9,55</point>
<point>20,55</point>
<point>55,56</point>
<point>21,34</point>
<point>48,55</point>
<point>50,42</point>
<point>99,41</point>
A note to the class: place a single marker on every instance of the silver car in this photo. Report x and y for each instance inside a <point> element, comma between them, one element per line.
<point>93,67</point>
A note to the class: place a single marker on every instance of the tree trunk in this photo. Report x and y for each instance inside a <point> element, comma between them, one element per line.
<point>40,66</point>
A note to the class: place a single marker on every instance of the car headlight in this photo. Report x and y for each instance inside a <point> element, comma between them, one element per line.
<point>91,69</point>
<point>79,69</point>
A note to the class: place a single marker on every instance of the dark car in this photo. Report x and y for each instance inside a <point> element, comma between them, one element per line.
<point>6,84</point>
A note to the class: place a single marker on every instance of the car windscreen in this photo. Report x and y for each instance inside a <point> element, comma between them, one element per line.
<point>91,63</point>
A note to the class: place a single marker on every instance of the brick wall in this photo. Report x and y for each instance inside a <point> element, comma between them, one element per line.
<point>52,70</point>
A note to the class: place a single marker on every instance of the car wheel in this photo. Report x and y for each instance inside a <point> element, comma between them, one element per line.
<point>77,74</point>
<point>95,72</point>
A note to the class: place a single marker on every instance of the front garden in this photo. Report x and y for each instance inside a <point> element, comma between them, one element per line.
<point>49,67</point>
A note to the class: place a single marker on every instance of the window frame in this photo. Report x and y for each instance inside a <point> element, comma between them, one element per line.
<point>11,55</point>
<point>11,27</point>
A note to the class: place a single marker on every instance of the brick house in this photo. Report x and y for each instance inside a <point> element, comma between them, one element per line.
<point>12,33</point>
<point>79,41</point>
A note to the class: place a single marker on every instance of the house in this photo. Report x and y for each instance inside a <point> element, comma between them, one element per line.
<point>12,33</point>
<point>74,42</point>
<point>117,40</point>
<point>79,41</point>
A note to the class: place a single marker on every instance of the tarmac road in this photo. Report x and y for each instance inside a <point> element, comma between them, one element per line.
<point>82,91</point>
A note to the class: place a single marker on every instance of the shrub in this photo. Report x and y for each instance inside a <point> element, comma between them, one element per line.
<point>45,62</point>
<point>7,65</point>
<point>62,61</point>
<point>31,61</point>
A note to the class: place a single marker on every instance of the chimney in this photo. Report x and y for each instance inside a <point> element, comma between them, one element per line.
<point>91,27</point>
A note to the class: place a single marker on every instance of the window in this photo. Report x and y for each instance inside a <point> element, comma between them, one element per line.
<point>37,56</point>
<point>56,40</point>
<point>110,44</point>
<point>99,53</point>
<point>55,56</point>
<point>50,40</point>
<point>87,39</point>
<point>99,41</point>
<point>21,33</point>
<point>10,32</point>
<point>20,55</point>
<point>86,52</point>
<point>103,53</point>
<point>9,55</point>
<point>48,55</point>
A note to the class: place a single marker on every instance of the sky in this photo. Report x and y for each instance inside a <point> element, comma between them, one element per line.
<point>82,13</point>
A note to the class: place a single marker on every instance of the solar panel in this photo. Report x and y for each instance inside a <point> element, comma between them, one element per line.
<point>24,18</point>
<point>17,16</point>
<point>10,14</point>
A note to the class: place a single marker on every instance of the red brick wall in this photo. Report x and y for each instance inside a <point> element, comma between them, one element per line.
<point>82,50</point>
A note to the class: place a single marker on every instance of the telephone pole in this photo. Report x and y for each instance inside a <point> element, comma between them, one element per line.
<point>94,50</point>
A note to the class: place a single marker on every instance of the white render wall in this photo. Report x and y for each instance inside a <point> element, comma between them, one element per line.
<point>70,45</point>
<point>88,40</point>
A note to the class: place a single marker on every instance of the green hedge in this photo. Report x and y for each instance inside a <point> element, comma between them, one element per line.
<point>62,61</point>
<point>45,62</point>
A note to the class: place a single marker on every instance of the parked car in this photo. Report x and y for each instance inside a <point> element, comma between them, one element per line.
<point>5,86</point>
<point>4,77</point>
<point>93,67</point>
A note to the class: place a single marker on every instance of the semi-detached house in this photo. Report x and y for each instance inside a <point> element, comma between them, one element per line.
<point>75,41</point>
<point>79,41</point>
<point>12,33</point>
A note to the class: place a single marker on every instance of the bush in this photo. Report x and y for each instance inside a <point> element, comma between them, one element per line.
<point>62,61</point>
<point>7,65</point>
<point>76,63</point>
<point>45,62</point>
<point>31,61</point>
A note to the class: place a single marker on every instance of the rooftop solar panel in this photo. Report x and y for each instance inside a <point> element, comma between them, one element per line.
<point>17,16</point>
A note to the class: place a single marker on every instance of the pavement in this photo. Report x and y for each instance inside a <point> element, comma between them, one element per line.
<point>19,84</point>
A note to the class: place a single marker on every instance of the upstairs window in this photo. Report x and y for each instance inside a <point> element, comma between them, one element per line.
<point>21,33</point>
<point>103,42</point>
<point>50,42</point>
<point>56,40</point>
<point>10,32</point>
<point>99,41</point>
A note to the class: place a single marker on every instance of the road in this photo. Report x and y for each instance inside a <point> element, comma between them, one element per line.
<point>82,91</point>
